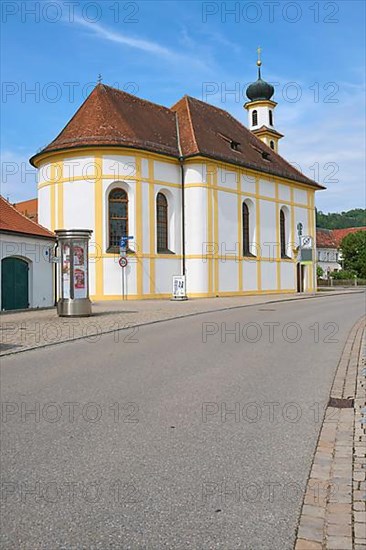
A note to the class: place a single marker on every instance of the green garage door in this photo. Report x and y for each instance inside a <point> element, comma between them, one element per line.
<point>14,284</point>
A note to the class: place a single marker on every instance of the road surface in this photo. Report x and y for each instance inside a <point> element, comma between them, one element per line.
<point>193,433</point>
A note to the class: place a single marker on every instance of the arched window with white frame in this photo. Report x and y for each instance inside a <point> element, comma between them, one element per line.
<point>284,233</point>
<point>248,229</point>
<point>162,236</point>
<point>117,217</point>
<point>255,118</point>
<point>246,237</point>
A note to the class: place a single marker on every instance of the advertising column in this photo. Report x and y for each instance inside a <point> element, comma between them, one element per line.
<point>74,287</point>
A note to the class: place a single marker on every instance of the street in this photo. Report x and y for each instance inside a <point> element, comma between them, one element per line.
<point>194,433</point>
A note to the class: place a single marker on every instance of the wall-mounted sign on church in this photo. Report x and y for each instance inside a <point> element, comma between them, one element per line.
<point>203,196</point>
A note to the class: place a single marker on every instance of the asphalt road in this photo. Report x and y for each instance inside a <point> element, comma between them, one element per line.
<point>173,436</point>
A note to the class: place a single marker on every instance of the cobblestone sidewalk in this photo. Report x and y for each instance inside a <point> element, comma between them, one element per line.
<point>336,519</point>
<point>21,331</point>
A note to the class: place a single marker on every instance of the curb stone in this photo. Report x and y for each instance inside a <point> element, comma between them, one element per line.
<point>333,515</point>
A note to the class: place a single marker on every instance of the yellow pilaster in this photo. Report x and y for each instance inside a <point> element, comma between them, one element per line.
<point>152,225</point>
<point>209,180</point>
<point>53,197</point>
<point>278,248</point>
<point>216,231</point>
<point>258,234</point>
<point>311,213</point>
<point>138,236</point>
<point>293,233</point>
<point>239,244</point>
<point>60,194</point>
<point>98,235</point>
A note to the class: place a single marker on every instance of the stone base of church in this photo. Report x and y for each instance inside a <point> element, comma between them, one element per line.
<point>191,295</point>
<point>151,278</point>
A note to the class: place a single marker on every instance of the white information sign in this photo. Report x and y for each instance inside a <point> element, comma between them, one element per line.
<point>179,286</point>
<point>306,241</point>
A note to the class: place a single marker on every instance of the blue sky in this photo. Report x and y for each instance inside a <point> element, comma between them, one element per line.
<point>313,52</point>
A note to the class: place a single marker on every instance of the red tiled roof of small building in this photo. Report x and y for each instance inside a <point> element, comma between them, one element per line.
<point>111,117</point>
<point>12,221</point>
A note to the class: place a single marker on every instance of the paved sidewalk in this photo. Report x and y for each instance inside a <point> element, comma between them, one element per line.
<point>21,331</point>
<point>333,515</point>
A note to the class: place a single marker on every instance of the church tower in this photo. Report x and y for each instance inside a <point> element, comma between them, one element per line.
<point>261,110</point>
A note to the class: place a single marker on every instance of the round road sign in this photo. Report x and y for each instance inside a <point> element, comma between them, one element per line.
<point>123,261</point>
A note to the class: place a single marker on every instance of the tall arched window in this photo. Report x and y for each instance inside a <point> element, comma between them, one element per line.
<point>118,216</point>
<point>254,118</point>
<point>246,238</point>
<point>283,234</point>
<point>271,143</point>
<point>161,223</point>
<point>271,117</point>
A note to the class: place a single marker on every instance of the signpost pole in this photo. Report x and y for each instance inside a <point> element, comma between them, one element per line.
<point>123,262</point>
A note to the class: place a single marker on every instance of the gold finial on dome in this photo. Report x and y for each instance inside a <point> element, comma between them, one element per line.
<point>259,51</point>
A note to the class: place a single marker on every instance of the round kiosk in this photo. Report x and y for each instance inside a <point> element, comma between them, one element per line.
<point>73,273</point>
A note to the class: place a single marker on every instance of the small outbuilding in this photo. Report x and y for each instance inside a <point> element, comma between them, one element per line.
<point>27,274</point>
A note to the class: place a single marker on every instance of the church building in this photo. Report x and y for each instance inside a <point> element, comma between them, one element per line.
<point>201,194</point>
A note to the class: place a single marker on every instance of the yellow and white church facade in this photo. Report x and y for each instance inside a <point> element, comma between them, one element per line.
<point>201,195</point>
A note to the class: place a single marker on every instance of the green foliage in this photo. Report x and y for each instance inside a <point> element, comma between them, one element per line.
<point>343,274</point>
<point>341,220</point>
<point>319,271</point>
<point>353,248</point>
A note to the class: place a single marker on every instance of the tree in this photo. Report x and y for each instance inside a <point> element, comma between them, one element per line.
<point>353,248</point>
<point>343,274</point>
<point>341,220</point>
<point>319,271</point>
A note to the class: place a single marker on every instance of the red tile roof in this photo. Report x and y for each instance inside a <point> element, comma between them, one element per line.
<point>325,239</point>
<point>332,238</point>
<point>28,208</point>
<point>110,117</point>
<point>264,128</point>
<point>12,221</point>
<point>208,130</point>
<point>339,234</point>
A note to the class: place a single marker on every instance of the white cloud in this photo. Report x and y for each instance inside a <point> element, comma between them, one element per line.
<point>153,48</point>
<point>329,138</point>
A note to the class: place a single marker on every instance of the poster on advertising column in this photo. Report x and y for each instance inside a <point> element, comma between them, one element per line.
<point>66,272</point>
<point>80,270</point>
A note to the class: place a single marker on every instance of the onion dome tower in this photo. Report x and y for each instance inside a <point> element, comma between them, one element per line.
<point>260,109</point>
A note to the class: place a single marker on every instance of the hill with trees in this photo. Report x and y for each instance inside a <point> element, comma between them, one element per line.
<point>341,220</point>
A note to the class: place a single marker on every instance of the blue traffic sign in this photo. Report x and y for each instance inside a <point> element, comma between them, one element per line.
<point>123,241</point>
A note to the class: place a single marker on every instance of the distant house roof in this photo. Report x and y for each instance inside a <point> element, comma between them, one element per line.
<point>12,221</point>
<point>325,239</point>
<point>29,208</point>
<point>339,234</point>
<point>332,238</point>
<point>111,117</point>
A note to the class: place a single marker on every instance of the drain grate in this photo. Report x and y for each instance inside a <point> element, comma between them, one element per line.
<point>341,403</point>
<point>266,309</point>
